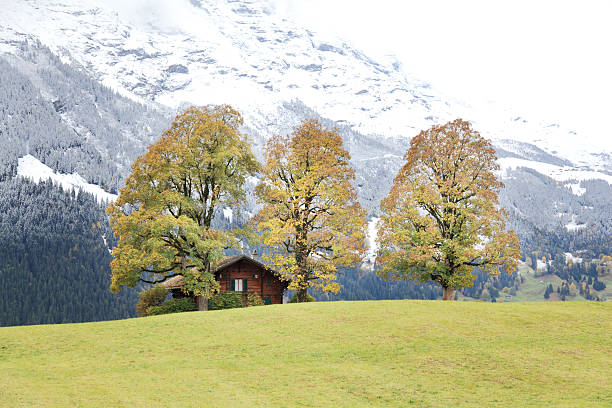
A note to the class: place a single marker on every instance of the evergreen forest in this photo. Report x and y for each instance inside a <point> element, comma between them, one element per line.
<point>55,260</point>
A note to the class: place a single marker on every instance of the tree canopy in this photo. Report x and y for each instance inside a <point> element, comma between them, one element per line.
<point>163,215</point>
<point>310,218</point>
<point>441,218</point>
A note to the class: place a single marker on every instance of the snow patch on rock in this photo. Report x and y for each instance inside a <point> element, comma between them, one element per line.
<point>371,244</point>
<point>106,244</point>
<point>541,265</point>
<point>576,189</point>
<point>33,169</point>
<point>572,226</point>
<point>228,214</point>
<point>569,257</point>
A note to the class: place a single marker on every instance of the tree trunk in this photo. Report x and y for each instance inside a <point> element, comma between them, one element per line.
<point>448,293</point>
<point>302,295</point>
<point>202,303</point>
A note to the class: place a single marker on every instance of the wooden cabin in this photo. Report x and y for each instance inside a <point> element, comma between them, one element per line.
<point>238,274</point>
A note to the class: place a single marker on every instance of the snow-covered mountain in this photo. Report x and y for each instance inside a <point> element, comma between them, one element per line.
<point>243,53</point>
<point>168,54</point>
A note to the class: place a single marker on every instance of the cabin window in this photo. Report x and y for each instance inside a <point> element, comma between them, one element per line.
<point>239,285</point>
<point>269,281</point>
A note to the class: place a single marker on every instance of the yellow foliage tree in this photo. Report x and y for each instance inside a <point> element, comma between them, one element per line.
<point>604,267</point>
<point>163,214</point>
<point>310,218</point>
<point>442,218</point>
<point>572,289</point>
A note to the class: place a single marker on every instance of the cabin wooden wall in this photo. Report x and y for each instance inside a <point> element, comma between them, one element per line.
<point>265,284</point>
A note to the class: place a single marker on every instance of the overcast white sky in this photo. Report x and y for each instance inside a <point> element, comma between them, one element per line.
<point>549,59</point>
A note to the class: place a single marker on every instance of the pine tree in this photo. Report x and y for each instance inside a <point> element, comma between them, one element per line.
<point>548,291</point>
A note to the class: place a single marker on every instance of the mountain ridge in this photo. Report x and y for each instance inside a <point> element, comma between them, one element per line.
<point>248,56</point>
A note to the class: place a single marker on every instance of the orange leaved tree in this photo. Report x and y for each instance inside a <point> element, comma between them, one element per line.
<point>310,219</point>
<point>442,218</point>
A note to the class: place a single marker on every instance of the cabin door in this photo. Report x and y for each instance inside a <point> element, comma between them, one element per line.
<point>267,300</point>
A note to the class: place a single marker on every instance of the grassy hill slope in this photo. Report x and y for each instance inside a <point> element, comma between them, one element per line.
<point>340,354</point>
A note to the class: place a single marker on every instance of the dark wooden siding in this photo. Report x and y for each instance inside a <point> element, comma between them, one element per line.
<point>259,280</point>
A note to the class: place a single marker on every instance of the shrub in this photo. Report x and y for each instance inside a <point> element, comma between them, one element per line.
<point>599,285</point>
<point>308,298</point>
<point>255,300</point>
<point>173,306</point>
<point>154,296</point>
<point>225,300</point>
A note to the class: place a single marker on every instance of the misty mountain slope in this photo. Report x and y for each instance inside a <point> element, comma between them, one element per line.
<point>375,160</point>
<point>237,52</point>
<point>69,121</point>
<point>520,150</point>
<point>241,52</point>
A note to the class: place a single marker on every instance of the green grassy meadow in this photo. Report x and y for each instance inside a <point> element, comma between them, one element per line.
<point>335,354</point>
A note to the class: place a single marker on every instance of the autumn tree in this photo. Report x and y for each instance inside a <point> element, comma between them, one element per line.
<point>310,219</point>
<point>442,218</point>
<point>163,215</point>
<point>604,266</point>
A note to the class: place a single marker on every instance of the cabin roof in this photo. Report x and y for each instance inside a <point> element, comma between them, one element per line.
<point>174,282</point>
<point>230,260</point>
<point>178,281</point>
